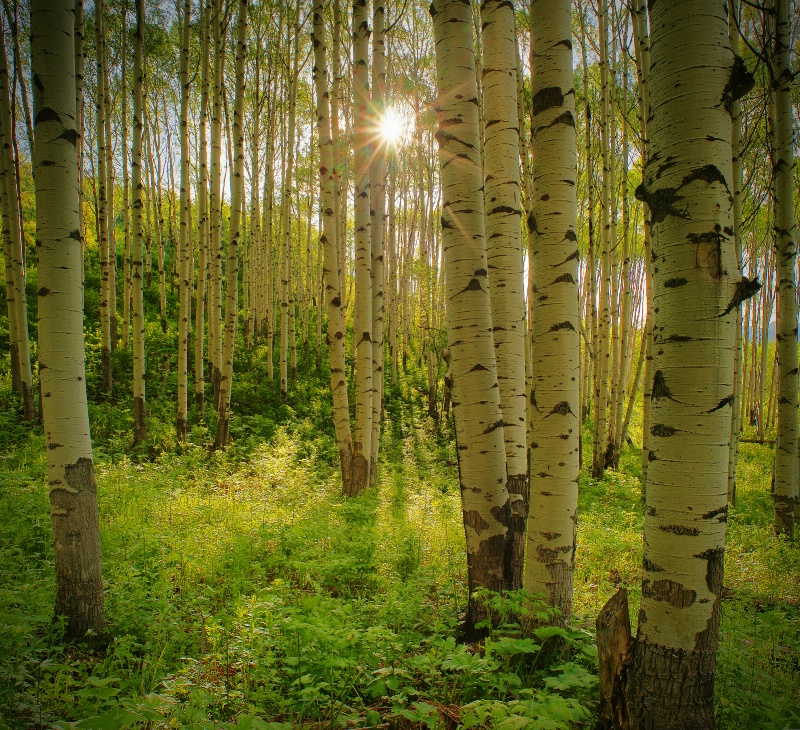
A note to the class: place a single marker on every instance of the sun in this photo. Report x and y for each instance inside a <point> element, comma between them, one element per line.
<point>393,128</point>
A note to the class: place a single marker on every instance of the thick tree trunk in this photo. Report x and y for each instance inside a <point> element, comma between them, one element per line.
<point>70,470</point>
<point>556,313</point>
<point>476,398</point>
<point>687,184</point>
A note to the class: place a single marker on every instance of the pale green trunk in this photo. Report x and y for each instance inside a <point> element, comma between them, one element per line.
<point>70,468</point>
<point>555,397</point>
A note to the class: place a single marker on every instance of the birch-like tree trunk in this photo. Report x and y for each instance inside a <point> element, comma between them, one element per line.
<point>555,393</point>
<point>362,119</point>
<point>13,244</point>
<point>137,236</point>
<point>232,269</point>
<point>476,397</point>
<point>185,280</point>
<point>786,489</point>
<point>377,227</point>
<point>70,467</point>
<point>688,187</point>
<point>328,240</point>
<point>503,210</point>
<point>102,192</point>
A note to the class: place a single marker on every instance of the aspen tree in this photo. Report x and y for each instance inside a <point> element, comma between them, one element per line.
<point>102,183</point>
<point>137,237</point>
<point>687,185</point>
<point>215,197</point>
<point>184,287</point>
<point>286,296</point>
<point>232,269</point>
<point>70,467</point>
<point>13,244</point>
<point>556,313</point>
<point>785,495</point>
<point>126,212</point>
<point>602,349</point>
<point>203,237</point>
<point>80,63</point>
<point>362,439</point>
<point>476,399</point>
<point>328,240</point>
<point>503,210</point>
<point>736,154</point>
<point>377,226</point>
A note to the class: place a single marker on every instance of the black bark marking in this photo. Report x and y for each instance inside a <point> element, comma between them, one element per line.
<point>715,561</point>
<point>44,291</point>
<point>745,289</point>
<point>706,173</point>
<point>550,535</point>
<point>562,409</point>
<point>71,135</point>
<point>493,426</point>
<point>562,326</point>
<point>46,114</point>
<point>659,429</point>
<point>727,401</point>
<point>532,224</point>
<point>547,98</point>
<point>721,512</point>
<point>505,209</point>
<point>680,530</point>
<point>564,278</point>
<point>651,567</point>
<point>481,272</point>
<point>669,592</point>
<point>474,285</point>
<point>474,520</point>
<point>675,283</point>
<point>740,83</point>
<point>478,367</point>
<point>660,388</point>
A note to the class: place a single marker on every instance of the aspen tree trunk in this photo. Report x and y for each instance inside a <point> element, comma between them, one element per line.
<point>80,104</point>
<point>602,349</point>
<point>687,184</point>
<point>154,165</point>
<point>786,490</point>
<point>286,296</point>
<point>641,39</point>
<point>185,282</point>
<point>203,239</point>
<point>137,242</point>
<point>126,213</point>
<point>110,217</point>
<point>393,308</point>
<point>556,312</point>
<point>736,152</point>
<point>102,182</point>
<point>377,229</point>
<point>476,398</point>
<point>625,283</point>
<point>215,250</point>
<point>70,468</point>
<point>503,210</point>
<point>232,268</point>
<point>14,242</point>
<point>362,441</point>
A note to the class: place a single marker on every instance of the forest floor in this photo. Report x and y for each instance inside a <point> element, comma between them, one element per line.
<point>243,592</point>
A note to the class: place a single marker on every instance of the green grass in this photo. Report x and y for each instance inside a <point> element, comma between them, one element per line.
<point>243,591</point>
